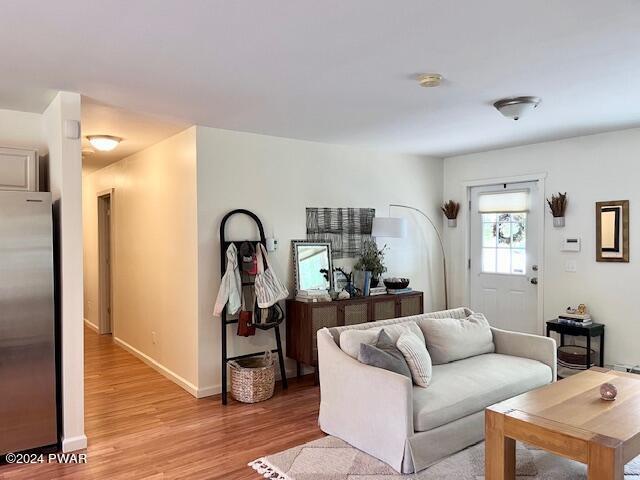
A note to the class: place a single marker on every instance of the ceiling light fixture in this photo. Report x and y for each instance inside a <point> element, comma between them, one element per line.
<point>515,107</point>
<point>430,79</point>
<point>104,143</point>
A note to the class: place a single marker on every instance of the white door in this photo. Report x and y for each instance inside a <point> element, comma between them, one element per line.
<point>504,255</point>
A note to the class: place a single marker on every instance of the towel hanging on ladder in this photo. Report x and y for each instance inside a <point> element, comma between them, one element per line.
<point>269,290</point>
<point>231,285</point>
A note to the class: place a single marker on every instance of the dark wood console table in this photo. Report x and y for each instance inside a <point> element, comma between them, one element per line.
<point>304,319</point>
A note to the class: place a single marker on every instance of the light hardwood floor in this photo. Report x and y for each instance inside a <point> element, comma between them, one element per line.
<point>142,426</point>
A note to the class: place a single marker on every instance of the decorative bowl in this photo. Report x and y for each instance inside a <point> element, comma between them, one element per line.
<point>396,283</point>
<point>608,392</point>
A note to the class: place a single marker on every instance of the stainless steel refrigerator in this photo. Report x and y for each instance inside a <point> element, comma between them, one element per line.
<point>27,326</point>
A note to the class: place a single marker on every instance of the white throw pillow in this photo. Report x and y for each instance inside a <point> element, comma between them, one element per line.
<point>351,339</point>
<point>450,339</point>
<point>417,357</point>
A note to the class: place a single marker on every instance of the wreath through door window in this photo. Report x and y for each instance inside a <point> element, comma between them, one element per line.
<point>508,232</point>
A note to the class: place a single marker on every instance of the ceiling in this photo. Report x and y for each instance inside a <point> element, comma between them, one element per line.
<point>137,132</point>
<point>336,71</point>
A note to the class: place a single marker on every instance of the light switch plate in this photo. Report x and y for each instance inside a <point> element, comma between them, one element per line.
<point>570,266</point>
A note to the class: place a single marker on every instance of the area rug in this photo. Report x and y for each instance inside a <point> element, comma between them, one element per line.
<point>330,458</point>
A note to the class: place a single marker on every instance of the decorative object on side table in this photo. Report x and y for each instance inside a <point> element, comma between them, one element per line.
<point>361,282</point>
<point>346,284</point>
<point>450,210</point>
<point>578,316</point>
<point>558,206</point>
<point>372,260</point>
<point>608,392</point>
<point>395,283</point>
<point>379,290</point>
<point>344,295</point>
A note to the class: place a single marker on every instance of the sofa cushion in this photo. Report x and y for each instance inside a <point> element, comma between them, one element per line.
<point>453,313</point>
<point>350,340</point>
<point>451,339</point>
<point>468,386</point>
<point>417,357</point>
<point>384,354</point>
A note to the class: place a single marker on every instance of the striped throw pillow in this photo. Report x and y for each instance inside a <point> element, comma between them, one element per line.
<point>417,357</point>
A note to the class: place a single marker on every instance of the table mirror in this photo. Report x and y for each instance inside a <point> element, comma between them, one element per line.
<point>312,265</point>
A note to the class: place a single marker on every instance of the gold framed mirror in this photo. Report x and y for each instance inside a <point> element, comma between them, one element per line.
<point>612,231</point>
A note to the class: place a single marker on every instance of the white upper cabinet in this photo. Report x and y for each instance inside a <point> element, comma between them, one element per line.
<point>18,169</point>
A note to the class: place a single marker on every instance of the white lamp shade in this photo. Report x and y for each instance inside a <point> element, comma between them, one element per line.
<point>390,227</point>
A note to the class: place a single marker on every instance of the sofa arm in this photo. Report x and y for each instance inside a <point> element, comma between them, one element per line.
<point>535,347</point>
<point>368,407</point>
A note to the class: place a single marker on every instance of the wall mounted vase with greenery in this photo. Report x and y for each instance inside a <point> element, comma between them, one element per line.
<point>558,206</point>
<point>450,210</point>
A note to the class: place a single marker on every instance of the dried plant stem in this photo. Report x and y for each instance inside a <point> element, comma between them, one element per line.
<point>451,209</point>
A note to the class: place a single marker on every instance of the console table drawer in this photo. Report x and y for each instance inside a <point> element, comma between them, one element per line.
<point>410,306</point>
<point>384,309</point>
<point>356,313</point>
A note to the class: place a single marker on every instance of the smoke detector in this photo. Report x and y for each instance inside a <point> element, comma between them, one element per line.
<point>430,79</point>
<point>516,107</point>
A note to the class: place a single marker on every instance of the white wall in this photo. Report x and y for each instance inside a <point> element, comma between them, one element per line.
<point>154,266</point>
<point>65,164</point>
<point>278,178</point>
<point>590,169</point>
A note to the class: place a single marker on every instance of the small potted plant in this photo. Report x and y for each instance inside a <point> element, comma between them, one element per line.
<point>450,210</point>
<point>372,260</point>
<point>558,205</point>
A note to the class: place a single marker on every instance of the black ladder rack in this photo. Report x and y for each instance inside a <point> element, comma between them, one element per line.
<point>224,244</point>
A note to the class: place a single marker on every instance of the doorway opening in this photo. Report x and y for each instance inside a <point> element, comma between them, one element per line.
<point>105,247</point>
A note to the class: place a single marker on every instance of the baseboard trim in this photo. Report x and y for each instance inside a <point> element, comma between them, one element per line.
<point>91,325</point>
<point>74,443</point>
<point>174,377</point>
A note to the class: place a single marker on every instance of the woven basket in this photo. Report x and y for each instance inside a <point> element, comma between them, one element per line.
<point>575,356</point>
<point>253,379</point>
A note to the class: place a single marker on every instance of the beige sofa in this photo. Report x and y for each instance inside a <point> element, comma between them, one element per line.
<point>409,427</point>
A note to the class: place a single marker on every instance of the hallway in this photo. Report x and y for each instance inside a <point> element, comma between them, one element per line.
<point>141,425</point>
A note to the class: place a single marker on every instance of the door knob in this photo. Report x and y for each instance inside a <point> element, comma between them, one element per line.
<point>534,281</point>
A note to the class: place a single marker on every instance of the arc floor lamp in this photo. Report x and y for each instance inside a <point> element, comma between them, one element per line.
<point>396,227</point>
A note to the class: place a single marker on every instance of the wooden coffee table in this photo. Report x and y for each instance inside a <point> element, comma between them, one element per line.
<point>568,418</point>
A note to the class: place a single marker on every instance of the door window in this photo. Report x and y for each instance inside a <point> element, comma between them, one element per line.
<point>504,241</point>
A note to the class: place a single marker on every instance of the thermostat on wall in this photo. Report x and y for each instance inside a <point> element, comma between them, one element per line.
<point>571,244</point>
